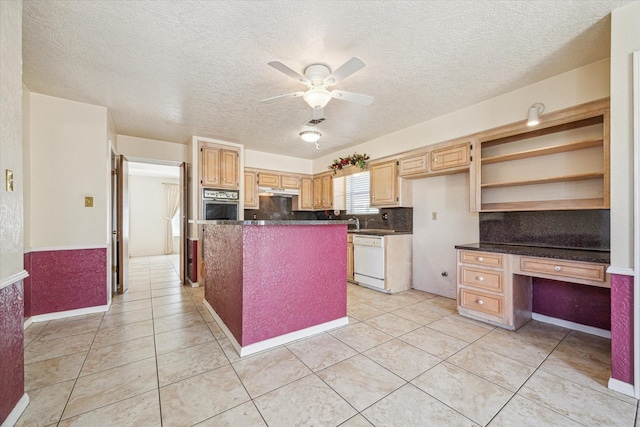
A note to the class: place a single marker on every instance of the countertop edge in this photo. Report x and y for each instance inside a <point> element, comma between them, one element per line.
<point>269,222</point>
<point>599,257</point>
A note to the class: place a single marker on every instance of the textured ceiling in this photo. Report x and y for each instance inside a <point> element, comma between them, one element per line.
<point>168,70</point>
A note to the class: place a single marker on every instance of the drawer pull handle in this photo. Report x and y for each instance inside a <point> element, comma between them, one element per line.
<point>480,302</point>
<point>557,268</point>
<point>479,278</point>
<point>480,259</point>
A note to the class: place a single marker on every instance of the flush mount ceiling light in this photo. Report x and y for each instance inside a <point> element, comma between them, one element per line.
<point>534,111</point>
<point>310,135</point>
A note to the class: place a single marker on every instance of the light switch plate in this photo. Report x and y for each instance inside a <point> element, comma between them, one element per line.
<point>9,179</point>
<point>88,202</point>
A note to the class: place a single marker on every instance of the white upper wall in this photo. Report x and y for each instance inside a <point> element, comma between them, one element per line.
<point>258,159</point>
<point>69,160</point>
<point>625,39</point>
<point>11,203</point>
<point>564,90</point>
<point>152,150</point>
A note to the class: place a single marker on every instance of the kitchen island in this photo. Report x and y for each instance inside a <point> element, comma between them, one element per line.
<point>272,282</point>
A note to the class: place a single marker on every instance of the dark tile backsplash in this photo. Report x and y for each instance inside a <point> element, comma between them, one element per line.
<point>279,208</point>
<point>581,229</point>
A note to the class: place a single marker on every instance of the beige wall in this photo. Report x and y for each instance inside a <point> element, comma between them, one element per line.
<point>68,160</point>
<point>11,203</point>
<point>152,150</point>
<point>258,159</point>
<point>625,39</point>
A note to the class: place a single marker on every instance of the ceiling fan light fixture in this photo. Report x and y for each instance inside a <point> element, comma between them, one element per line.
<point>317,97</point>
<point>310,135</point>
<point>534,111</point>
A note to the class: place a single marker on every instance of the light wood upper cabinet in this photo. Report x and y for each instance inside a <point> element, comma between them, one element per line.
<point>384,183</point>
<point>289,181</point>
<point>563,163</point>
<point>210,167</point>
<point>450,157</point>
<point>417,164</point>
<point>220,168</point>
<point>251,200</point>
<point>267,179</point>
<point>323,191</point>
<point>305,199</point>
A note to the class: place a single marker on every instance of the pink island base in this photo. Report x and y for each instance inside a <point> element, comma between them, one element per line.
<point>271,282</point>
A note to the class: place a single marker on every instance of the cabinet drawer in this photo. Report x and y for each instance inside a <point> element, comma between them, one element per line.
<point>482,258</point>
<point>486,279</point>
<point>573,269</point>
<point>479,301</point>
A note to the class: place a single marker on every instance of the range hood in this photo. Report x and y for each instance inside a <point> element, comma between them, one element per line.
<point>282,192</point>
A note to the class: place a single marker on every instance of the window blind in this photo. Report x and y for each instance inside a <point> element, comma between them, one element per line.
<point>358,194</point>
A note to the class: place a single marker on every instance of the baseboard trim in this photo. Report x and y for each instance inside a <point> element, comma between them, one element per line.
<point>14,278</point>
<point>275,341</point>
<point>70,313</point>
<point>621,271</point>
<point>571,325</point>
<point>16,412</point>
<point>27,322</point>
<point>621,387</point>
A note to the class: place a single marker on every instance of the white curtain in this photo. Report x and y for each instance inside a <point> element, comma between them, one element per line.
<point>173,204</point>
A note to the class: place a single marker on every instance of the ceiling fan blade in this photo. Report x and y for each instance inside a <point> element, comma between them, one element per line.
<point>352,97</point>
<point>348,68</point>
<point>288,95</point>
<point>289,72</point>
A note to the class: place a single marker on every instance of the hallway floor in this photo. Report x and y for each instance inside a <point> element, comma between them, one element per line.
<point>157,358</point>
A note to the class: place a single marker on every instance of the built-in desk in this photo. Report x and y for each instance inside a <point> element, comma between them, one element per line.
<point>494,281</point>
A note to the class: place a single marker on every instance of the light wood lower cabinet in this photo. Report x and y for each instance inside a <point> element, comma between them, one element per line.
<point>488,291</point>
<point>350,257</point>
<point>496,288</point>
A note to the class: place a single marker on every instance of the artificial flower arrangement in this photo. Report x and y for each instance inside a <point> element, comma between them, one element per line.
<point>355,160</point>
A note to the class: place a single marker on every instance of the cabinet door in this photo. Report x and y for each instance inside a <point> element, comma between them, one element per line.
<point>266,179</point>
<point>327,191</point>
<point>317,193</point>
<point>229,169</point>
<point>210,167</point>
<point>349,261</point>
<point>290,181</point>
<point>251,200</point>
<point>306,194</point>
<point>384,182</point>
<point>413,165</point>
<point>450,157</point>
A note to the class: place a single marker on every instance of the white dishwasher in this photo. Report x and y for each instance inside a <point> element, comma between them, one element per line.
<point>368,261</point>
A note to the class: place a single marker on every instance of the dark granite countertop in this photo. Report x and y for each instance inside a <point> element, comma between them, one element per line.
<point>270,222</point>
<point>536,251</point>
<point>378,232</point>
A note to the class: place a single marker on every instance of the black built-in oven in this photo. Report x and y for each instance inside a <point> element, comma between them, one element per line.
<point>220,204</point>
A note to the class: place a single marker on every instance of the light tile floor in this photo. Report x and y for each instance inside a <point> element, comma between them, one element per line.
<point>158,358</point>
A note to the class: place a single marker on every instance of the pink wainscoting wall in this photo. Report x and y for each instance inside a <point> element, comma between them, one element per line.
<point>586,305</point>
<point>622,328</point>
<point>305,269</point>
<point>65,280</point>
<point>11,348</point>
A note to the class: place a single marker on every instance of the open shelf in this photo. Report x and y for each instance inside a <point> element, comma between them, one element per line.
<point>563,148</point>
<point>548,180</point>
<point>542,205</point>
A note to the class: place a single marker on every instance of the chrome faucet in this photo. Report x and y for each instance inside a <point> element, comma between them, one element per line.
<point>357,222</point>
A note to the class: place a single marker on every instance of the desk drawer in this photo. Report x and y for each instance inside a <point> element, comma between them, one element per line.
<point>572,269</point>
<point>479,301</point>
<point>485,279</point>
<point>482,258</point>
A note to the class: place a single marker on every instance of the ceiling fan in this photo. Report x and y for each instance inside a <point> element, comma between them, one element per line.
<point>317,78</point>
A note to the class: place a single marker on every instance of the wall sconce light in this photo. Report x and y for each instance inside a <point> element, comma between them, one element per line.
<point>534,111</point>
<point>310,135</point>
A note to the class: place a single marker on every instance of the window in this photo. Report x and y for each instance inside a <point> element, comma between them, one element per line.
<point>175,224</point>
<point>358,194</point>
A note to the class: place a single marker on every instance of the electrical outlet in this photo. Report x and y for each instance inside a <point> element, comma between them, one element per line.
<point>434,216</point>
<point>88,202</point>
<point>385,216</point>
